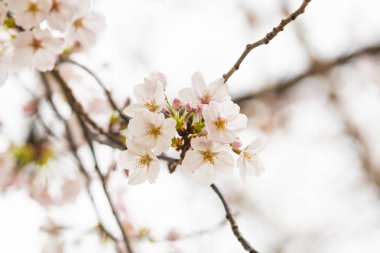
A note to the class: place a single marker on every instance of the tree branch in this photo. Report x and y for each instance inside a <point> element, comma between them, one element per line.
<point>315,69</point>
<point>110,99</point>
<point>267,38</point>
<point>86,133</point>
<point>231,220</point>
<point>74,150</point>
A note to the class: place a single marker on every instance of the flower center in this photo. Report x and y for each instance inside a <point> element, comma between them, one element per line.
<point>221,123</point>
<point>36,44</point>
<point>151,106</point>
<point>78,23</point>
<point>144,161</point>
<point>33,8</point>
<point>55,6</point>
<point>206,98</point>
<point>154,131</point>
<point>208,157</point>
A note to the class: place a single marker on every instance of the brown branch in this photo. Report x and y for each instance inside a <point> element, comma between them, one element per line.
<point>110,99</point>
<point>370,169</point>
<point>316,68</point>
<point>267,38</point>
<point>86,133</point>
<point>74,151</point>
<point>231,220</point>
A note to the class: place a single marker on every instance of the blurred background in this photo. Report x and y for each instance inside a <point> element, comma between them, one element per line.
<point>313,94</point>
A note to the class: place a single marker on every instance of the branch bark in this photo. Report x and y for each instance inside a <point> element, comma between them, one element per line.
<point>316,68</point>
<point>267,38</point>
<point>231,220</point>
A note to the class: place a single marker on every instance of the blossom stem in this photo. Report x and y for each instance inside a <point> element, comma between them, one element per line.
<point>231,220</point>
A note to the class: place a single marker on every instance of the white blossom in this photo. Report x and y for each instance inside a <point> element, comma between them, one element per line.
<point>153,130</point>
<point>249,162</point>
<point>61,14</point>
<point>143,164</point>
<point>6,52</point>
<point>37,48</point>
<point>150,96</point>
<point>222,120</point>
<point>86,25</point>
<point>207,159</point>
<point>29,13</point>
<point>200,93</point>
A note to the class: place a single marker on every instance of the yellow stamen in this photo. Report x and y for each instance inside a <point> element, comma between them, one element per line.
<point>221,123</point>
<point>33,7</point>
<point>154,131</point>
<point>151,106</point>
<point>36,44</point>
<point>208,157</point>
<point>144,161</point>
<point>78,23</point>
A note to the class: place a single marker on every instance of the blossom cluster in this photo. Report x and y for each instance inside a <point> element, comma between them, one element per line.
<point>201,126</point>
<point>34,33</point>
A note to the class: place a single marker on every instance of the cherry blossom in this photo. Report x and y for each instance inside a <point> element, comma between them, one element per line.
<point>153,130</point>
<point>222,120</point>
<point>86,25</point>
<point>249,162</point>
<point>37,48</point>
<point>207,159</point>
<point>29,13</point>
<point>200,93</point>
<point>150,96</point>
<point>143,164</point>
<point>61,14</point>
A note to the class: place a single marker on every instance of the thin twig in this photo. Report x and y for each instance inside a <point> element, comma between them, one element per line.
<point>86,133</point>
<point>73,149</point>
<point>110,99</point>
<point>267,38</point>
<point>231,220</point>
<point>315,69</point>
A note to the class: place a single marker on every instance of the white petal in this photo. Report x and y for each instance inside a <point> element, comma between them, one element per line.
<point>137,176</point>
<point>224,163</point>
<point>240,122</point>
<point>205,175</point>
<point>198,83</point>
<point>134,109</point>
<point>153,170</point>
<point>187,95</point>
<point>192,161</point>
<point>127,159</point>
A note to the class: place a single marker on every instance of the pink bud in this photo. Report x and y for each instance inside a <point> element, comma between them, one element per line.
<point>199,109</point>
<point>189,107</point>
<point>204,132</point>
<point>236,144</point>
<point>177,104</point>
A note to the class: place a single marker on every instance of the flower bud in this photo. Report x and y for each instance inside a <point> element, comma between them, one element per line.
<point>189,107</point>
<point>199,109</point>
<point>177,104</point>
<point>236,144</point>
<point>204,132</point>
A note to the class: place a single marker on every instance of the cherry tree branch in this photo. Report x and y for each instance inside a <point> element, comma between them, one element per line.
<point>73,149</point>
<point>108,94</point>
<point>316,68</point>
<point>231,220</point>
<point>267,38</point>
<point>86,133</point>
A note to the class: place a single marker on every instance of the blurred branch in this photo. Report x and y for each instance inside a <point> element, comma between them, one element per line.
<point>370,169</point>
<point>267,38</point>
<point>316,68</point>
<point>74,151</point>
<point>231,220</point>
<point>86,132</point>
<point>110,99</point>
